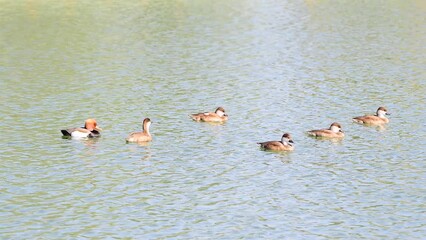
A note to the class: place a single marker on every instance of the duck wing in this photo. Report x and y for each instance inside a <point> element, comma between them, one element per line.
<point>138,137</point>
<point>362,119</point>
<point>271,144</point>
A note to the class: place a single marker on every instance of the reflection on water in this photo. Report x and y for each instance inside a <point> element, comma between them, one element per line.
<point>378,127</point>
<point>327,139</point>
<point>274,66</point>
<point>142,144</point>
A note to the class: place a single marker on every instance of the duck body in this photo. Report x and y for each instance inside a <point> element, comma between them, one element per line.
<point>144,136</point>
<point>284,145</point>
<point>80,133</point>
<point>218,116</point>
<point>335,131</point>
<point>90,130</point>
<point>379,118</point>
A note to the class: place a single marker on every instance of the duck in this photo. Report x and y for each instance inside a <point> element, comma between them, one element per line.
<point>334,131</point>
<point>379,118</point>
<point>218,116</point>
<point>284,145</point>
<point>90,130</point>
<point>143,136</point>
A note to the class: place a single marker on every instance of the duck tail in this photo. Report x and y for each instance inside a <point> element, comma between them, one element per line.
<point>357,120</point>
<point>311,133</point>
<point>195,117</point>
<point>65,132</point>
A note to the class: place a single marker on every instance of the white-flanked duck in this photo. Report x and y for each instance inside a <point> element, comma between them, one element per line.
<point>90,130</point>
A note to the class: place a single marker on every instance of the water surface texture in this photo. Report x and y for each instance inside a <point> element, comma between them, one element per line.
<point>275,66</point>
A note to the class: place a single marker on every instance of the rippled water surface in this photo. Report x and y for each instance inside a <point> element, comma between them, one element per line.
<point>275,66</point>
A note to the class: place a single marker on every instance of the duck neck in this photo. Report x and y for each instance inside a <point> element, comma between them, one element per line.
<point>145,128</point>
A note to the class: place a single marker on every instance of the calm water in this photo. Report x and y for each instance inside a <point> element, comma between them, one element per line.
<point>275,66</point>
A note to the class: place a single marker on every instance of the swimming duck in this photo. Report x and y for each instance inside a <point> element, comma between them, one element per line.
<point>379,118</point>
<point>335,131</point>
<point>283,145</point>
<point>143,136</point>
<point>218,116</point>
<point>89,130</point>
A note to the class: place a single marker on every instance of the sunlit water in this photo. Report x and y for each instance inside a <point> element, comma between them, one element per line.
<point>275,66</point>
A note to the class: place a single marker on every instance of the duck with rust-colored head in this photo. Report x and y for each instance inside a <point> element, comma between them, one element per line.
<point>90,130</point>
<point>334,131</point>
<point>143,136</point>
<point>286,144</point>
<point>218,116</point>
<point>379,118</point>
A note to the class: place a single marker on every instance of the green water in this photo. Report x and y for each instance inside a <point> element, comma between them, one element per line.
<point>275,66</point>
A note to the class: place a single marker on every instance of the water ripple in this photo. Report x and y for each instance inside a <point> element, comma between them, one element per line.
<point>274,66</point>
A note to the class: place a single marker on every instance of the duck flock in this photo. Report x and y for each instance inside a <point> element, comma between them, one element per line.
<point>91,129</point>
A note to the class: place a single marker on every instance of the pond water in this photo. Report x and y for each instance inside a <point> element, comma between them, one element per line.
<point>275,66</point>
